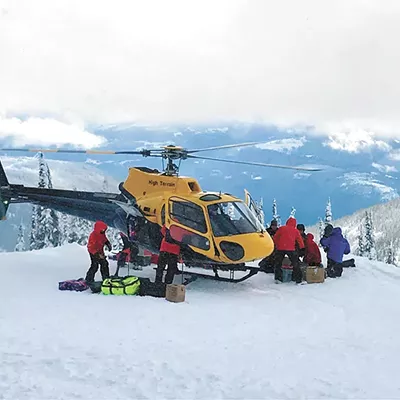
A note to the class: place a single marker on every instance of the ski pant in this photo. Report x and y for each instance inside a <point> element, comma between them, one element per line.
<point>294,259</point>
<point>166,259</point>
<point>334,269</point>
<point>97,261</point>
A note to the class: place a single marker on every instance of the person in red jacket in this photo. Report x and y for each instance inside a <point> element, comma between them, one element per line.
<point>169,254</point>
<point>286,238</point>
<point>95,246</point>
<point>312,255</point>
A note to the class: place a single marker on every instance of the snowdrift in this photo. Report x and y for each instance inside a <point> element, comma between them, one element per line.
<point>251,340</point>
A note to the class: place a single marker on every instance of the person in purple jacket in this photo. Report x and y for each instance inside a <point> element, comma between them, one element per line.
<point>336,246</point>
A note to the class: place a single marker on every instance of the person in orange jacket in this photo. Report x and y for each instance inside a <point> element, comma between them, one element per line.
<point>287,239</point>
<point>95,246</point>
<point>169,255</point>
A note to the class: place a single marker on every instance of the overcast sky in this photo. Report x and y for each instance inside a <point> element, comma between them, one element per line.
<point>330,64</point>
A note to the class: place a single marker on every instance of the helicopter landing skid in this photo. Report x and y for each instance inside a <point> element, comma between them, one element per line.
<point>195,275</point>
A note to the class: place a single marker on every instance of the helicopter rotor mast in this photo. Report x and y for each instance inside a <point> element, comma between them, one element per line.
<point>170,154</point>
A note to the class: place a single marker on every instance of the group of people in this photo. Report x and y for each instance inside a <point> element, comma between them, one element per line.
<point>291,240</point>
<point>169,253</point>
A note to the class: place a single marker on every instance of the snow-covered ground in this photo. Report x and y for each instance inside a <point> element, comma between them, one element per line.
<point>253,340</point>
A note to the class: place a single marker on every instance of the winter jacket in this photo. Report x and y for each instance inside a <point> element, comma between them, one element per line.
<point>98,239</point>
<point>312,253</point>
<point>167,244</point>
<point>287,236</point>
<point>336,245</point>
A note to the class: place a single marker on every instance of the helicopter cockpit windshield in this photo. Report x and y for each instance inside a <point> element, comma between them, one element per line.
<point>232,218</point>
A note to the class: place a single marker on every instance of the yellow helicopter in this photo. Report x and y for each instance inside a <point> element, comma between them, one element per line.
<point>216,230</point>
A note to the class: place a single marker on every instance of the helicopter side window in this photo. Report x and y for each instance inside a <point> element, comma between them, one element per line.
<point>232,218</point>
<point>188,214</point>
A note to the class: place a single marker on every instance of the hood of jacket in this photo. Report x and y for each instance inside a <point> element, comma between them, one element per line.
<point>337,231</point>
<point>291,222</point>
<point>310,237</point>
<point>100,226</point>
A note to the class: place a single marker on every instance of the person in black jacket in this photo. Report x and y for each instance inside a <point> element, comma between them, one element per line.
<point>267,264</point>
<point>301,228</point>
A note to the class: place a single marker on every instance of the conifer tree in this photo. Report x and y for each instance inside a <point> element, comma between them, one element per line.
<point>20,246</point>
<point>40,232</point>
<point>64,228</point>
<point>328,212</point>
<point>275,215</point>
<point>292,213</point>
<point>391,259</point>
<point>361,249</point>
<point>370,250</point>
<point>321,227</point>
<point>32,237</point>
<point>53,232</point>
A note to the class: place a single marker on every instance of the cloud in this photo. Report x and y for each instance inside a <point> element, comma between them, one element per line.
<point>46,131</point>
<point>355,141</point>
<point>283,145</point>
<point>395,155</point>
<point>308,63</point>
<point>384,168</point>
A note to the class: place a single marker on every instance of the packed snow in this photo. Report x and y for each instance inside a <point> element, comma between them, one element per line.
<point>252,340</point>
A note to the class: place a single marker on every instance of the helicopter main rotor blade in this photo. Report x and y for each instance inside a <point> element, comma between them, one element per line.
<point>256,164</point>
<point>142,152</point>
<point>228,146</point>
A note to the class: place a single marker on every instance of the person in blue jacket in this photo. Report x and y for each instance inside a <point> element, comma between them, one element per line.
<point>336,246</point>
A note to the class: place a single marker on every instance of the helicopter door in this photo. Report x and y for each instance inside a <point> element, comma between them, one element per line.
<point>187,223</point>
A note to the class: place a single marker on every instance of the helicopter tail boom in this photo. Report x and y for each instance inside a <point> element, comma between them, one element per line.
<point>87,205</point>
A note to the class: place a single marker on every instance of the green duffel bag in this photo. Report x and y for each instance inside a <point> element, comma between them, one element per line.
<point>129,285</point>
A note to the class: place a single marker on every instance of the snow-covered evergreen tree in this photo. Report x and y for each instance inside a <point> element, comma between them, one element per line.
<point>370,250</point>
<point>64,228</point>
<point>40,231</point>
<point>275,214</point>
<point>32,237</point>
<point>292,213</point>
<point>55,236</point>
<point>321,227</point>
<point>391,258</point>
<point>361,248</point>
<point>20,246</point>
<point>328,212</point>
<point>45,230</point>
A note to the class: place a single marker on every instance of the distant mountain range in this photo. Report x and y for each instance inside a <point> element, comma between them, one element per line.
<point>357,174</point>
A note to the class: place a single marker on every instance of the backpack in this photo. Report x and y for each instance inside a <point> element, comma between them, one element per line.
<point>77,285</point>
<point>129,285</point>
<point>154,289</point>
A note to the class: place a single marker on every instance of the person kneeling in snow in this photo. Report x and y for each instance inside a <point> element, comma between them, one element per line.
<point>336,246</point>
<point>286,239</point>
<point>96,243</point>
<point>312,255</point>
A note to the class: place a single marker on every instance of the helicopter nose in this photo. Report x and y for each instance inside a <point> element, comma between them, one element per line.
<point>246,247</point>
